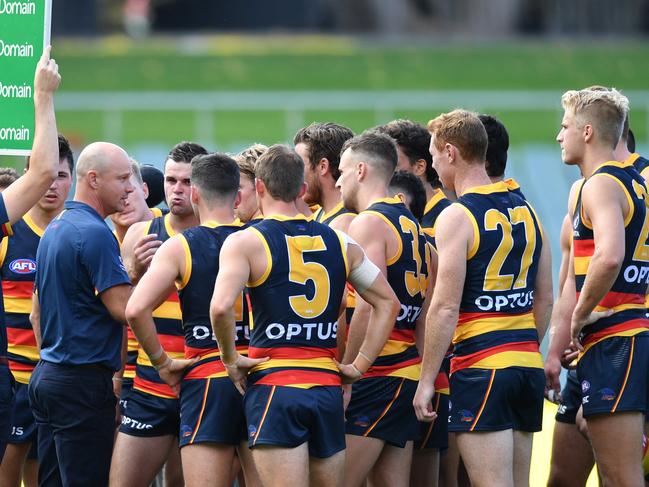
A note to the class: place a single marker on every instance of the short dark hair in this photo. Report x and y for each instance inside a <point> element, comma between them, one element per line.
<point>497,145</point>
<point>630,141</point>
<point>379,149</point>
<point>7,176</point>
<point>216,175</point>
<point>65,153</point>
<point>186,151</point>
<point>324,140</point>
<point>414,141</point>
<point>409,184</point>
<point>282,171</point>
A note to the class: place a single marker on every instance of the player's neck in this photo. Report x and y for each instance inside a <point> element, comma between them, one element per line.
<point>594,157</point>
<point>369,193</point>
<point>330,198</point>
<point>470,177</point>
<point>88,197</point>
<point>182,222</point>
<point>120,230</point>
<point>283,208</point>
<point>41,217</point>
<point>622,153</point>
<point>220,215</point>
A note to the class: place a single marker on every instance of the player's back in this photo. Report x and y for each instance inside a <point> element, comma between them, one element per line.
<point>496,327</point>
<point>296,302</point>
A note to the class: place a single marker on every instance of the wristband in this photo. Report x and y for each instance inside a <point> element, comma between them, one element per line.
<point>118,379</point>
<point>233,364</point>
<point>156,355</point>
<point>360,374</point>
<point>162,365</point>
<point>360,352</point>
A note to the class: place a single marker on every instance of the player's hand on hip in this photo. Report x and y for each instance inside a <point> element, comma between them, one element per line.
<point>238,370</point>
<point>568,358</point>
<point>578,322</point>
<point>173,370</point>
<point>423,402</point>
<point>47,77</point>
<point>348,373</point>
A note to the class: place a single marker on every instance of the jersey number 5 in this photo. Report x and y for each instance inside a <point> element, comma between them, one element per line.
<point>300,272</point>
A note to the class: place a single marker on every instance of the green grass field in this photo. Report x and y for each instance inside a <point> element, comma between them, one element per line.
<point>329,63</point>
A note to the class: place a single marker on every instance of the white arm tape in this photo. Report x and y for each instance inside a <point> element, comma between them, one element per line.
<point>363,276</point>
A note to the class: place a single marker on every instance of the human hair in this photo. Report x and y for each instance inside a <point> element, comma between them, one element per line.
<point>497,145</point>
<point>414,141</point>
<point>376,149</point>
<point>247,159</point>
<point>324,141</point>
<point>282,171</point>
<point>7,176</point>
<point>216,175</point>
<point>186,151</point>
<point>462,129</point>
<point>410,185</point>
<point>630,141</point>
<point>137,172</point>
<point>65,153</point>
<point>625,127</point>
<point>605,110</point>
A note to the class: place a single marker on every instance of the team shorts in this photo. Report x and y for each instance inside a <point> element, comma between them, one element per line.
<point>290,416</point>
<point>435,434</point>
<point>614,375</point>
<point>148,416</point>
<point>211,411</point>
<point>381,407</point>
<point>570,399</point>
<point>127,387</point>
<point>23,426</point>
<point>496,399</point>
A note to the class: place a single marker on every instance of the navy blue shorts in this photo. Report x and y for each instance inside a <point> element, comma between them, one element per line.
<point>23,425</point>
<point>496,399</point>
<point>127,387</point>
<point>435,434</point>
<point>614,375</point>
<point>6,405</point>
<point>381,407</point>
<point>289,416</point>
<point>211,411</point>
<point>570,399</point>
<point>148,416</point>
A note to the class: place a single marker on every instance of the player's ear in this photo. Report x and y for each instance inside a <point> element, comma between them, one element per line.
<point>302,190</point>
<point>91,177</point>
<point>145,190</point>
<point>260,187</point>
<point>361,169</point>
<point>323,166</point>
<point>451,152</point>
<point>237,199</point>
<point>194,194</point>
<point>419,167</point>
<point>587,132</point>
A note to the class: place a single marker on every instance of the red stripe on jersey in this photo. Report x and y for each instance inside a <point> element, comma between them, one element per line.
<point>459,363</point>
<point>173,297</point>
<point>20,367</point>
<point>615,329</point>
<point>172,343</point>
<point>385,370</point>
<point>17,289</point>
<point>19,336</point>
<point>465,317</point>
<point>205,370</point>
<point>441,381</point>
<point>407,336</point>
<point>583,248</point>
<point>162,390</point>
<point>291,377</point>
<point>612,299</point>
<point>291,353</point>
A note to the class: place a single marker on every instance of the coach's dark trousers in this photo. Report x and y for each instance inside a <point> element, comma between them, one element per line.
<point>74,407</point>
<point>6,404</point>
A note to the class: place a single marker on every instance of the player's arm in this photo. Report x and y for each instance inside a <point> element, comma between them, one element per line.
<point>25,192</point>
<point>543,294</point>
<point>377,294</point>
<point>138,250</point>
<point>156,284</point>
<point>420,327</point>
<point>342,224</point>
<point>369,232</point>
<point>234,273</point>
<point>605,206</point>
<point>454,237</point>
<point>35,320</point>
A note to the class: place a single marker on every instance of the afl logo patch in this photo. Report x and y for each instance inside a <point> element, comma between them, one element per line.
<point>23,266</point>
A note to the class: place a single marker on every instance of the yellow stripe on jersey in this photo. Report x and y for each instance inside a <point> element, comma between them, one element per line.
<point>25,351</point>
<point>269,259</point>
<point>21,376</point>
<point>143,358</point>
<point>412,372</point>
<point>168,309</point>
<point>188,262</point>
<point>514,358</point>
<point>18,305</point>
<point>494,323</point>
<point>393,347</point>
<point>397,234</point>
<point>476,232</point>
<point>627,219</point>
<point>325,363</point>
<point>581,265</point>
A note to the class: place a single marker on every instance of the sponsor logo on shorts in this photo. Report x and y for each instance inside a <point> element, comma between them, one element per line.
<point>252,431</point>
<point>562,409</point>
<point>607,394</point>
<point>362,421</point>
<point>17,431</point>
<point>466,416</point>
<point>23,266</point>
<point>585,386</point>
<point>185,431</point>
<point>135,424</point>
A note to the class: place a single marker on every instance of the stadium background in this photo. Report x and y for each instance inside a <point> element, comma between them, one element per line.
<point>147,74</point>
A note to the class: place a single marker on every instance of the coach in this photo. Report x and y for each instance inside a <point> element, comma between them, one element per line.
<point>81,290</point>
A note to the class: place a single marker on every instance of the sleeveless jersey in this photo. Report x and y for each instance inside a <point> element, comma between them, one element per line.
<point>202,246</point>
<point>627,295</point>
<point>640,163</point>
<point>296,303</point>
<point>432,210</point>
<point>407,273</point>
<point>496,327</point>
<point>168,323</point>
<point>18,257</point>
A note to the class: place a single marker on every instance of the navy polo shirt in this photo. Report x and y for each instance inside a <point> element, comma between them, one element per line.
<point>5,231</point>
<point>78,258</point>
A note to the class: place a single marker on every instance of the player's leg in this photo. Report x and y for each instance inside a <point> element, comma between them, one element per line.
<point>362,453</point>
<point>619,461</point>
<point>30,468</point>
<point>522,458</point>
<point>274,465</point>
<point>173,469</point>
<point>12,464</point>
<point>449,464</point>
<point>424,471</point>
<point>325,472</point>
<point>392,467</point>
<point>488,457</point>
<point>572,457</point>
<point>207,464</point>
<point>137,460</point>
<point>248,468</point>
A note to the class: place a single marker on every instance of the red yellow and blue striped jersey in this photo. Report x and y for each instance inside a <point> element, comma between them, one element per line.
<point>202,246</point>
<point>407,274</point>
<point>18,270</point>
<point>168,323</point>
<point>626,297</point>
<point>432,210</point>
<point>640,163</point>
<point>496,327</point>
<point>296,303</point>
